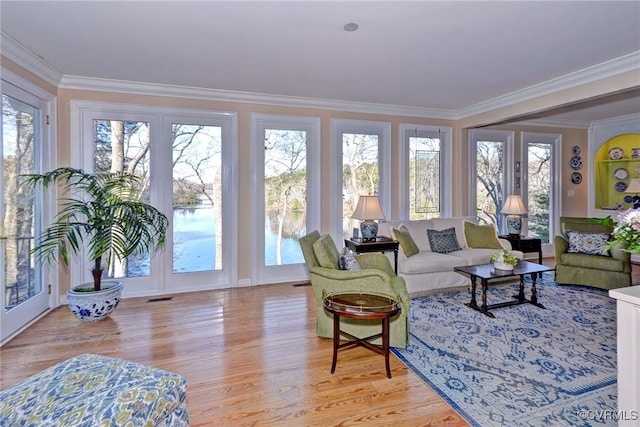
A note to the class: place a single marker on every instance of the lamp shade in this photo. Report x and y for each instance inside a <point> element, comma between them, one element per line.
<point>514,206</point>
<point>368,208</point>
<point>634,186</point>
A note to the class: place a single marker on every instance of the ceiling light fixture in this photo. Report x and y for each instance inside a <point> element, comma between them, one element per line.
<point>351,27</point>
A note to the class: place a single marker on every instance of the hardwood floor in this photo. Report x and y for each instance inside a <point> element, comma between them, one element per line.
<point>250,356</point>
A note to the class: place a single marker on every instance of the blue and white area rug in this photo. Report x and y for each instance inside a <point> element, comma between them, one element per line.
<point>528,366</point>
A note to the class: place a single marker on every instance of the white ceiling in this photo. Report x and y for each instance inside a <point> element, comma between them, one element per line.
<point>446,56</point>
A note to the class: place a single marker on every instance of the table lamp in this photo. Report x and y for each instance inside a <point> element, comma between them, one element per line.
<point>368,210</point>
<point>634,187</point>
<point>514,208</point>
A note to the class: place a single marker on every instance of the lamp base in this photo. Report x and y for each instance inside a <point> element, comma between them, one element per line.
<point>514,224</point>
<point>369,230</point>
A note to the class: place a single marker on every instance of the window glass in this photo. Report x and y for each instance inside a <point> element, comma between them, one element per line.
<point>285,189</point>
<point>123,146</point>
<point>197,197</point>
<point>359,174</point>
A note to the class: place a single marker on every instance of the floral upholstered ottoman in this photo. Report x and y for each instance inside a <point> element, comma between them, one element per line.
<point>91,391</point>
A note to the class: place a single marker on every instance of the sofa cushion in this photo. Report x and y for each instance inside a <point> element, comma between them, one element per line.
<point>326,252</point>
<point>418,231</point>
<point>430,262</point>
<point>481,236</point>
<point>443,241</point>
<point>347,261</point>
<point>587,243</point>
<point>457,222</point>
<point>403,236</point>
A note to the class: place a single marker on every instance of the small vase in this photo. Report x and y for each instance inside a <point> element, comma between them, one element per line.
<point>502,266</point>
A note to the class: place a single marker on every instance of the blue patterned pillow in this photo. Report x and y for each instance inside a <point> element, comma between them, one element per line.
<point>347,261</point>
<point>587,243</point>
<point>443,241</point>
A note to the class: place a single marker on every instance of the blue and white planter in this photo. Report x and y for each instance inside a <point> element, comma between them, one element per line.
<point>94,306</point>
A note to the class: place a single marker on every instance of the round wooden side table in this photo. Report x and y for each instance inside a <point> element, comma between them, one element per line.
<point>364,306</point>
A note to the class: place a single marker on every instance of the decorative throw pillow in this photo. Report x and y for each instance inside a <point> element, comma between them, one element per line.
<point>326,252</point>
<point>481,236</point>
<point>347,261</point>
<point>587,243</point>
<point>405,240</point>
<point>443,241</point>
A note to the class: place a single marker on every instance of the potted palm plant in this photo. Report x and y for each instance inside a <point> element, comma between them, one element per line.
<point>104,212</point>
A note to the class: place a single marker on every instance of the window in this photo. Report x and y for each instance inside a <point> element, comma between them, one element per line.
<point>28,146</point>
<point>199,194</point>
<point>362,153</point>
<point>539,190</point>
<point>426,160</point>
<point>123,146</point>
<point>197,197</point>
<point>491,179</point>
<point>286,193</point>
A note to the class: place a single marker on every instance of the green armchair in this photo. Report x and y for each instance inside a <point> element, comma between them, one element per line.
<point>376,275</point>
<point>607,272</point>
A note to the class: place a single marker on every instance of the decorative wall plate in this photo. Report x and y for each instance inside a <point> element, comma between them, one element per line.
<point>628,199</point>
<point>620,186</point>
<point>621,173</point>
<point>616,153</point>
<point>576,150</point>
<point>576,177</point>
<point>576,162</point>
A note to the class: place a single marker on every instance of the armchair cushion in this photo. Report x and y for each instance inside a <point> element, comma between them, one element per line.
<point>443,241</point>
<point>587,243</point>
<point>326,252</point>
<point>481,236</point>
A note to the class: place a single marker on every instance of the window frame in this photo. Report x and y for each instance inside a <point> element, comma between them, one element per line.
<point>261,273</point>
<point>368,127</point>
<point>83,113</point>
<point>444,133</point>
<point>507,138</point>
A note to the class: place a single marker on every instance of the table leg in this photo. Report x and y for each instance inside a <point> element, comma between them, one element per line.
<point>336,340</point>
<point>520,296</point>
<point>484,295</point>
<point>395,258</point>
<point>473,292</point>
<point>534,292</point>
<point>385,344</point>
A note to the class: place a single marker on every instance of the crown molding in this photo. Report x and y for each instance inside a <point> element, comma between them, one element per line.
<point>557,123</point>
<point>153,89</point>
<point>13,50</point>
<point>623,64</point>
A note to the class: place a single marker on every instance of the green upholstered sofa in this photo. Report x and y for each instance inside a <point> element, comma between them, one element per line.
<point>607,272</point>
<point>376,275</point>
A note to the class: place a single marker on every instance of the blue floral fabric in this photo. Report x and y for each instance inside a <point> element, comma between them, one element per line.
<point>92,390</point>
<point>587,243</point>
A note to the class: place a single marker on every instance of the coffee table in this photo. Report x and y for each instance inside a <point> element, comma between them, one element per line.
<point>486,272</point>
<point>364,306</point>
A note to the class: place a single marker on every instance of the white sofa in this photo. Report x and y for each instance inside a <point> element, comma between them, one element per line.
<point>428,271</point>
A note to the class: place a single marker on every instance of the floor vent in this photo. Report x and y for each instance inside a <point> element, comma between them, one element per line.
<point>160,299</point>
